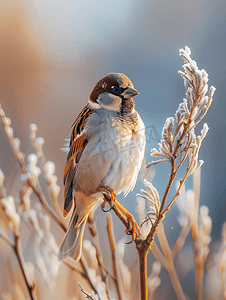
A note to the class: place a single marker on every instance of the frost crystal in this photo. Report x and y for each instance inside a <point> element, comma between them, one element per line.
<point>151,195</point>
<point>179,141</point>
<point>9,207</point>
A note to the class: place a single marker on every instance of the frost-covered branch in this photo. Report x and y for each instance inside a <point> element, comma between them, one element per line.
<point>180,147</point>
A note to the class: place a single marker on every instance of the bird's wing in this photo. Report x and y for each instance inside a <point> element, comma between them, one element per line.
<point>78,143</point>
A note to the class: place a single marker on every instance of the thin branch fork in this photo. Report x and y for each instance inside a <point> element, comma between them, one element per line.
<point>84,266</point>
<point>88,296</point>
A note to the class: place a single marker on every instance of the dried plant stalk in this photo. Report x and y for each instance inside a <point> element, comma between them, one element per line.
<point>111,237</point>
<point>178,145</point>
<point>169,262</point>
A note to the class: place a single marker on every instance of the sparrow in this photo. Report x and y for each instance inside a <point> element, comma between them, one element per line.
<point>106,151</point>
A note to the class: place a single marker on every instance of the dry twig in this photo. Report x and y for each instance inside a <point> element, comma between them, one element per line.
<point>88,296</point>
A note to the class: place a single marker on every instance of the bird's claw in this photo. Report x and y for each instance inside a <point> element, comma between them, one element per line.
<point>103,206</point>
<point>132,229</point>
<point>108,194</point>
<point>110,197</point>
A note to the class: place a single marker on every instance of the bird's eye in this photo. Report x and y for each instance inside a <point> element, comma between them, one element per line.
<point>114,88</point>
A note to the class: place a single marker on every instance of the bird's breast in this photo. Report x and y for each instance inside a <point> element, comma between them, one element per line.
<point>113,155</point>
<point>121,149</point>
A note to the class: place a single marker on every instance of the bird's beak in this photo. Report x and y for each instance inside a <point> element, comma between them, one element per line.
<point>130,92</point>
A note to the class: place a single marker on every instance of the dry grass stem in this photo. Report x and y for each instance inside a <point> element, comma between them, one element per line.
<point>116,271</point>
<point>94,233</point>
<point>154,280</point>
<point>181,239</point>
<point>89,278</point>
<point>88,296</point>
<point>169,263</point>
<point>19,255</point>
<point>158,255</point>
<point>48,169</point>
<point>20,157</point>
<point>221,259</point>
<point>199,259</point>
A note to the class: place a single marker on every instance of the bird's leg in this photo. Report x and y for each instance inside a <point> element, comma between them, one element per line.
<point>110,194</point>
<point>133,224</point>
<point>130,220</point>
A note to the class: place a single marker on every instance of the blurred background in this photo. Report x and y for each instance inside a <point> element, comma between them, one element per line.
<point>52,52</point>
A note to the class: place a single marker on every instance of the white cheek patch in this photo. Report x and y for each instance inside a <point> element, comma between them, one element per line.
<point>109,101</point>
<point>94,105</point>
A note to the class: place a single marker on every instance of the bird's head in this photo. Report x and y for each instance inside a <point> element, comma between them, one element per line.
<point>113,92</point>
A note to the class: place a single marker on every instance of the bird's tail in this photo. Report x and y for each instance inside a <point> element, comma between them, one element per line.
<point>71,244</point>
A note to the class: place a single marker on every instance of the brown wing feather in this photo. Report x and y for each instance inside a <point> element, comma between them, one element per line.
<point>80,122</point>
<point>77,145</point>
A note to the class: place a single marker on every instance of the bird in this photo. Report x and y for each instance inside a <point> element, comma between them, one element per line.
<point>105,155</point>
